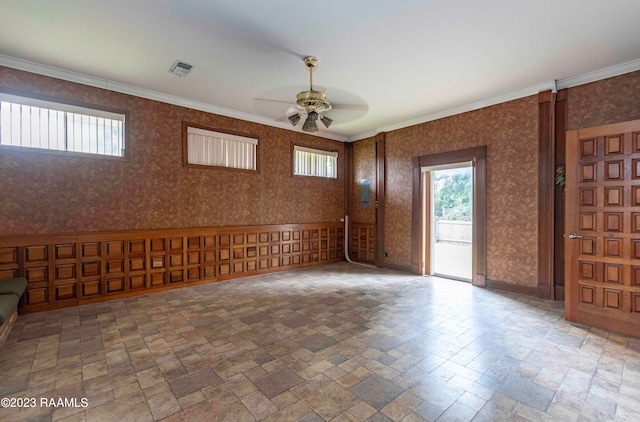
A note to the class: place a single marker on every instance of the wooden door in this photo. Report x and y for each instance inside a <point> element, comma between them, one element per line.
<point>602,227</point>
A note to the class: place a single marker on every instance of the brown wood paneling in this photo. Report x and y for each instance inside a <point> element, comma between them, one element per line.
<point>362,243</point>
<point>9,265</point>
<point>71,269</point>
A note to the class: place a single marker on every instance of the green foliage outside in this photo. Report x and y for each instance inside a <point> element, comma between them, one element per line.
<point>453,194</point>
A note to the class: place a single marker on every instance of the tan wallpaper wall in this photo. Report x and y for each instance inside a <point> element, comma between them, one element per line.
<point>364,167</point>
<point>608,101</point>
<point>45,193</point>
<point>510,133</point>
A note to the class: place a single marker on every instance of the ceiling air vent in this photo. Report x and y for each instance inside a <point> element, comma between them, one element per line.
<point>181,69</point>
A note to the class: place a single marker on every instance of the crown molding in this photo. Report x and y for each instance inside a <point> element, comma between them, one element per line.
<point>458,110</point>
<point>83,79</point>
<point>597,75</point>
<point>51,71</point>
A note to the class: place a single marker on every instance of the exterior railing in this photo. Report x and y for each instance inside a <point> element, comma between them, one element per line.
<point>454,231</point>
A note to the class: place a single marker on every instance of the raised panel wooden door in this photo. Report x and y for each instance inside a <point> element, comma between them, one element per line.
<point>602,246</point>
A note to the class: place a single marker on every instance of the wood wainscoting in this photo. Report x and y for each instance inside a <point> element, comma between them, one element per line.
<point>362,243</point>
<point>73,269</point>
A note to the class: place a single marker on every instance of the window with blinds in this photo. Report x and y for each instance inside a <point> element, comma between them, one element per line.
<point>47,125</point>
<point>218,149</point>
<point>315,162</point>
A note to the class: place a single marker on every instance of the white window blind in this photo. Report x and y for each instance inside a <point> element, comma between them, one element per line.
<point>209,148</point>
<point>315,162</point>
<point>32,123</point>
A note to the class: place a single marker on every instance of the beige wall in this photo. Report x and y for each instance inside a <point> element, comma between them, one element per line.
<point>43,193</point>
<point>608,101</point>
<point>510,132</point>
<point>46,193</point>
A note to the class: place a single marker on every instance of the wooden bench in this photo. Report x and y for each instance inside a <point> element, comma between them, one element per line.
<point>11,290</point>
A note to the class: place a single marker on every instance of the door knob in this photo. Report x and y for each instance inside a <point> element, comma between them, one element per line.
<point>574,236</point>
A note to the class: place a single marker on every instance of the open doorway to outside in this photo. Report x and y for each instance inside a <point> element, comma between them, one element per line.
<point>421,217</point>
<point>451,213</point>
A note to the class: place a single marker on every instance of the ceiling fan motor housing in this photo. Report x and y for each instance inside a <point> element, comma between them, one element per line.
<point>313,101</point>
<point>311,61</point>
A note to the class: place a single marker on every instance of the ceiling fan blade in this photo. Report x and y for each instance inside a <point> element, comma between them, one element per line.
<point>351,107</point>
<point>274,101</point>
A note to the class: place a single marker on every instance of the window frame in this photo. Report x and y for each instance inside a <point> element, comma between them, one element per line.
<point>66,153</point>
<point>185,148</point>
<point>320,150</point>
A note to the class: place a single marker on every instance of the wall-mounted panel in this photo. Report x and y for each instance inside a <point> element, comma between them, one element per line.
<point>9,262</point>
<point>91,288</point>
<point>137,282</point>
<point>116,248</point>
<point>91,250</point>
<point>36,254</point>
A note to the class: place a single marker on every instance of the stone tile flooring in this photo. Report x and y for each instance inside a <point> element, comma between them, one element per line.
<point>338,342</point>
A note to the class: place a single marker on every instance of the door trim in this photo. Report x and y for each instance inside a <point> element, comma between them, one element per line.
<point>380,198</point>
<point>478,156</point>
<point>546,176</point>
<point>429,220</point>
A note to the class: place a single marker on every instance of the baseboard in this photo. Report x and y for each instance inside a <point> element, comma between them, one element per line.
<point>398,267</point>
<point>510,287</point>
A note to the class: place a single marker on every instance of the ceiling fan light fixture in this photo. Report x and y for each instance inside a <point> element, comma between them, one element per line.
<point>294,119</point>
<point>310,124</point>
<point>326,120</point>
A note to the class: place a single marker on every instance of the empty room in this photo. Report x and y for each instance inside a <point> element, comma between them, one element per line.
<point>339,211</point>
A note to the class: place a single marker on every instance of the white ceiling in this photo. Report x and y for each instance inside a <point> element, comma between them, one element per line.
<point>406,60</point>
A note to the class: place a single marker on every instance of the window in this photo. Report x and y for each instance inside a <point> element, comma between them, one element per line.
<point>314,162</point>
<point>209,148</point>
<point>33,123</point>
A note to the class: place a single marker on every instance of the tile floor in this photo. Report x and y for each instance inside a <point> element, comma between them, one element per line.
<point>338,342</point>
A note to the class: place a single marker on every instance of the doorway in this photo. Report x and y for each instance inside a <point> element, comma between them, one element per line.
<point>451,220</point>
<point>422,168</point>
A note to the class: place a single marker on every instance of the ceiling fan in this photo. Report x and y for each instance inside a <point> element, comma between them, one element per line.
<point>312,105</point>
